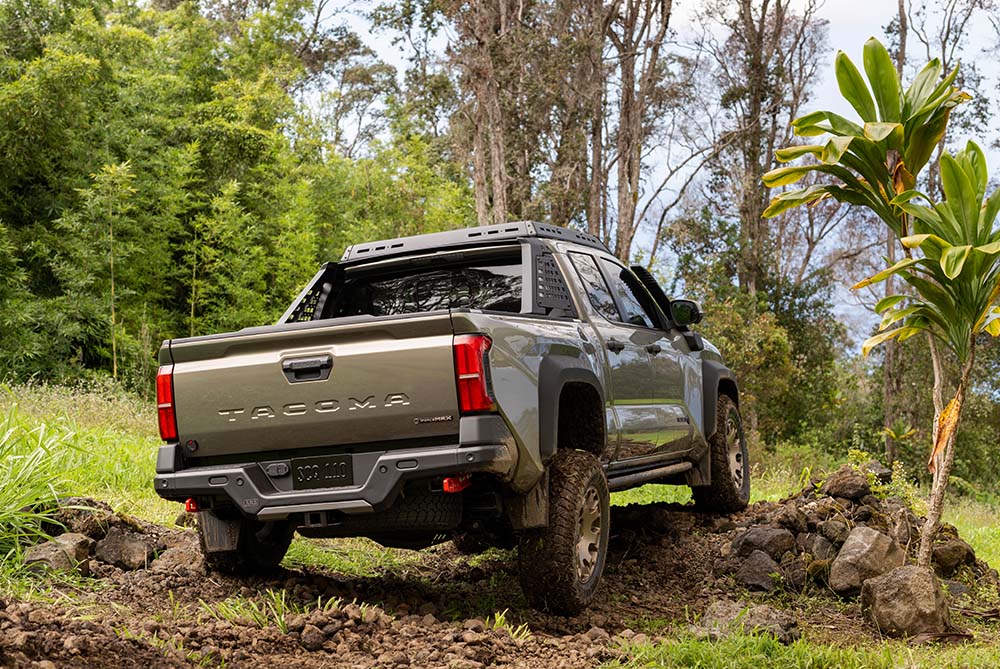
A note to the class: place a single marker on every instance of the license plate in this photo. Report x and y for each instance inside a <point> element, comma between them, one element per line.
<point>327,471</point>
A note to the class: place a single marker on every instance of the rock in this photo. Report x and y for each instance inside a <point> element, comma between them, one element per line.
<point>819,570</point>
<point>180,559</point>
<point>595,634</point>
<point>772,541</point>
<point>725,617</point>
<point>790,518</point>
<point>185,519</point>
<point>846,482</point>
<point>951,554</point>
<point>881,473</point>
<point>818,546</point>
<point>905,602</point>
<point>757,572</point>
<point>67,552</point>
<point>475,625</point>
<point>312,638</point>
<point>834,531</point>
<point>125,550</point>
<point>866,553</point>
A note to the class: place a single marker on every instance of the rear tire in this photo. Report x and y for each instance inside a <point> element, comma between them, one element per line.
<point>561,565</point>
<point>260,547</point>
<point>729,490</point>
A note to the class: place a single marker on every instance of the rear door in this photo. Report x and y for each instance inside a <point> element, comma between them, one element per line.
<point>666,397</point>
<point>631,392</point>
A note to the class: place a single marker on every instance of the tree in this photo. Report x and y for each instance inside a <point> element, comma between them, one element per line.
<point>956,277</point>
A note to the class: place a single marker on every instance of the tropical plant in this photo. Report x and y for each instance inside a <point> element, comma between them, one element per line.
<point>956,287</point>
<point>881,159</point>
<point>955,272</point>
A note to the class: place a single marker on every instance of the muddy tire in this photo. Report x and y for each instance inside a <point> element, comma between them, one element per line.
<point>261,547</point>
<point>730,487</point>
<point>561,565</point>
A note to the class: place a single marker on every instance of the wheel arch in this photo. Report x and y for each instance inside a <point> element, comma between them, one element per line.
<point>717,379</point>
<point>570,406</point>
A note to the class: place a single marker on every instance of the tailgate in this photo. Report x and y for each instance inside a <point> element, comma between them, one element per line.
<point>328,384</point>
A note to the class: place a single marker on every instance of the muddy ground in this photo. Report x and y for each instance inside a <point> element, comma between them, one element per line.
<point>435,612</point>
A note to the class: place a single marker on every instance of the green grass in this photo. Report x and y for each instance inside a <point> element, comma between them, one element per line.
<point>355,556</point>
<point>763,652</point>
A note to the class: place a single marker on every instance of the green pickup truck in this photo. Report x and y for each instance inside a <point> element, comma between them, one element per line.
<point>488,385</point>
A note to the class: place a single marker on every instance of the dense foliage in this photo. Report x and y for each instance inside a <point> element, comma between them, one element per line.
<point>162,177</point>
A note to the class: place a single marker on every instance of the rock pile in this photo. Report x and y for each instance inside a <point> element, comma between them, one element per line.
<point>838,535</point>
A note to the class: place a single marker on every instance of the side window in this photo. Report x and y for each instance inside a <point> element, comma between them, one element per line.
<point>596,287</point>
<point>637,311</point>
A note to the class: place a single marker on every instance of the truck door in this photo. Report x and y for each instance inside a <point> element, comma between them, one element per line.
<point>666,361</point>
<point>626,332</point>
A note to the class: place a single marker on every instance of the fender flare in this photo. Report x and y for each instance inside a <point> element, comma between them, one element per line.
<point>553,374</point>
<point>715,374</point>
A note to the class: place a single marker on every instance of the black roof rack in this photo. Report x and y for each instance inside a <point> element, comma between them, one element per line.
<point>470,236</point>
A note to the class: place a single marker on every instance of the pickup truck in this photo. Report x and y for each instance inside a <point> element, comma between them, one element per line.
<point>488,385</point>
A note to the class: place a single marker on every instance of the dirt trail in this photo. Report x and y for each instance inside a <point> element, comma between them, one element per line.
<point>662,572</point>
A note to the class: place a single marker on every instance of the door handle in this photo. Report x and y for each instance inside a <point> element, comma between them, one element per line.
<point>616,346</point>
<point>653,349</point>
<point>307,369</point>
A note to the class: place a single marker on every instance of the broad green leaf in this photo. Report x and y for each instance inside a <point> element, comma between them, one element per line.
<point>792,152</point>
<point>881,337</point>
<point>923,85</point>
<point>989,249</point>
<point>795,198</point>
<point>934,294</point>
<point>812,118</point>
<point>953,259</point>
<point>891,133</point>
<point>988,214</point>
<point>960,194</point>
<point>834,149</point>
<point>884,80</point>
<point>888,302</point>
<point>782,176</point>
<point>922,141</point>
<point>853,87</point>
<point>842,126</point>
<point>979,174</point>
<point>886,273</point>
<point>932,245</point>
<point>896,315</point>
<point>908,332</point>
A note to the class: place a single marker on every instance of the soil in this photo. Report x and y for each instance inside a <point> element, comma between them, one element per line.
<point>661,574</point>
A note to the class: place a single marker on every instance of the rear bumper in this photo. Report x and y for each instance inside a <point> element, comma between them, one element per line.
<point>380,476</point>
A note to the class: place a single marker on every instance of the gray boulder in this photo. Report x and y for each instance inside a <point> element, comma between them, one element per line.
<point>834,531</point>
<point>951,554</point>
<point>125,550</point>
<point>818,546</point>
<point>905,602</point>
<point>846,482</point>
<point>789,517</point>
<point>68,552</point>
<point>724,617</point>
<point>867,553</point>
<point>757,572</point>
<point>773,541</point>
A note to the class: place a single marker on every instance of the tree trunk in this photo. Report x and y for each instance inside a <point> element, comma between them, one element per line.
<point>479,168</point>
<point>891,372</point>
<point>943,461</point>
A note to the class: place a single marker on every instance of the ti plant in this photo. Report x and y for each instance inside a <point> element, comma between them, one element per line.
<point>877,161</point>
<point>952,262</point>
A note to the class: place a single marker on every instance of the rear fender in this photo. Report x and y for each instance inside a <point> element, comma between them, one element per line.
<point>555,372</point>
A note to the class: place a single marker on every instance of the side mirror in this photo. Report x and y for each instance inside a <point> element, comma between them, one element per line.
<point>685,312</point>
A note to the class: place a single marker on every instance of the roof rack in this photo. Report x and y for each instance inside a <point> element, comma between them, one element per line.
<point>470,236</point>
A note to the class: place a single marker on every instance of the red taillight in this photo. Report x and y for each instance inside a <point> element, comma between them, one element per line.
<point>165,403</point>
<point>471,373</point>
<point>458,483</point>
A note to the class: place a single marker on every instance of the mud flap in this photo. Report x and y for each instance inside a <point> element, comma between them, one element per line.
<point>532,508</point>
<point>219,535</point>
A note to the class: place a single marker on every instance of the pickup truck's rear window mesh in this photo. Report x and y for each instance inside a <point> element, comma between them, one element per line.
<point>491,287</point>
